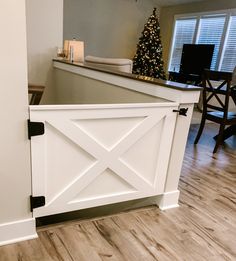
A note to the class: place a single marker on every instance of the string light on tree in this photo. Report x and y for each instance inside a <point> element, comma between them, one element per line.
<point>148,58</point>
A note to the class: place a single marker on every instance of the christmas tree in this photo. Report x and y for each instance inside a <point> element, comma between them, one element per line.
<point>148,58</point>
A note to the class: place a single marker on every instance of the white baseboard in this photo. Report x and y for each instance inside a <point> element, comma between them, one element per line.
<point>168,200</point>
<point>168,207</point>
<point>17,231</point>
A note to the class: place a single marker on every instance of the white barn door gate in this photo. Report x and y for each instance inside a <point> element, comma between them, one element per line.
<point>92,155</point>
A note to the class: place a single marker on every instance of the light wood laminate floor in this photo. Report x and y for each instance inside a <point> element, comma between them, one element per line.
<point>202,228</point>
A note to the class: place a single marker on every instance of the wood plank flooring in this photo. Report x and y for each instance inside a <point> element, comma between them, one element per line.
<point>202,228</point>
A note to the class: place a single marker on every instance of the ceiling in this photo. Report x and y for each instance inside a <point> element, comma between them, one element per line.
<point>175,2</point>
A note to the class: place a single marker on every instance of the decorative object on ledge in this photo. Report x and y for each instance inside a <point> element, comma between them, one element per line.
<point>74,50</point>
<point>148,58</point>
<point>113,64</point>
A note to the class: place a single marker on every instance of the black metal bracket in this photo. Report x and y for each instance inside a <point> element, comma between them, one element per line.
<point>35,128</point>
<point>36,202</point>
<point>182,111</point>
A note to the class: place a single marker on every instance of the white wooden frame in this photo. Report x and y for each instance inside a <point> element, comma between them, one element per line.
<point>62,118</point>
<point>166,185</point>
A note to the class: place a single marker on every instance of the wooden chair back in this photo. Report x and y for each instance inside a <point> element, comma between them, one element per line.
<point>217,112</point>
<point>220,93</point>
<point>36,92</point>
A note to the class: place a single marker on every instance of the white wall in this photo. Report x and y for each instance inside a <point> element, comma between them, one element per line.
<point>44,35</point>
<point>109,28</point>
<point>14,151</point>
<point>15,179</point>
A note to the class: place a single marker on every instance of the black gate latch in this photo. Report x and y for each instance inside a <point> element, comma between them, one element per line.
<point>35,128</point>
<point>36,202</point>
<point>182,111</point>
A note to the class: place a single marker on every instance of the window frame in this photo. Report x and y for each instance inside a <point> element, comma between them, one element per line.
<point>227,13</point>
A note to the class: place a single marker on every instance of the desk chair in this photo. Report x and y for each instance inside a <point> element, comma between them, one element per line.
<point>36,92</point>
<point>216,113</point>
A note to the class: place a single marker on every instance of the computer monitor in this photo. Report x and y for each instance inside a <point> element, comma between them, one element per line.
<point>195,58</point>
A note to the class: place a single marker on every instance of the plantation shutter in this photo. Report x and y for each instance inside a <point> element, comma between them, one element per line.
<point>184,33</point>
<point>210,32</point>
<point>229,55</point>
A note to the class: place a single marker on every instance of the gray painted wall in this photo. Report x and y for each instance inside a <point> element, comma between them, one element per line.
<point>44,34</point>
<point>109,28</point>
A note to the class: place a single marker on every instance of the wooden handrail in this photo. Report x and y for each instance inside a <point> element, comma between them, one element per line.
<point>37,93</point>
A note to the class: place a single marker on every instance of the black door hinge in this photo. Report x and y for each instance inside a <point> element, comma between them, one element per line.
<point>182,111</point>
<point>35,128</point>
<point>36,202</point>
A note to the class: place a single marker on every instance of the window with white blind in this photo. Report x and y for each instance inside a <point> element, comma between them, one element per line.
<point>229,52</point>
<point>210,32</point>
<point>184,33</point>
<point>206,28</point>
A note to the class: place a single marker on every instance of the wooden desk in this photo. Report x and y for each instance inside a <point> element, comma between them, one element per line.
<point>185,78</point>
